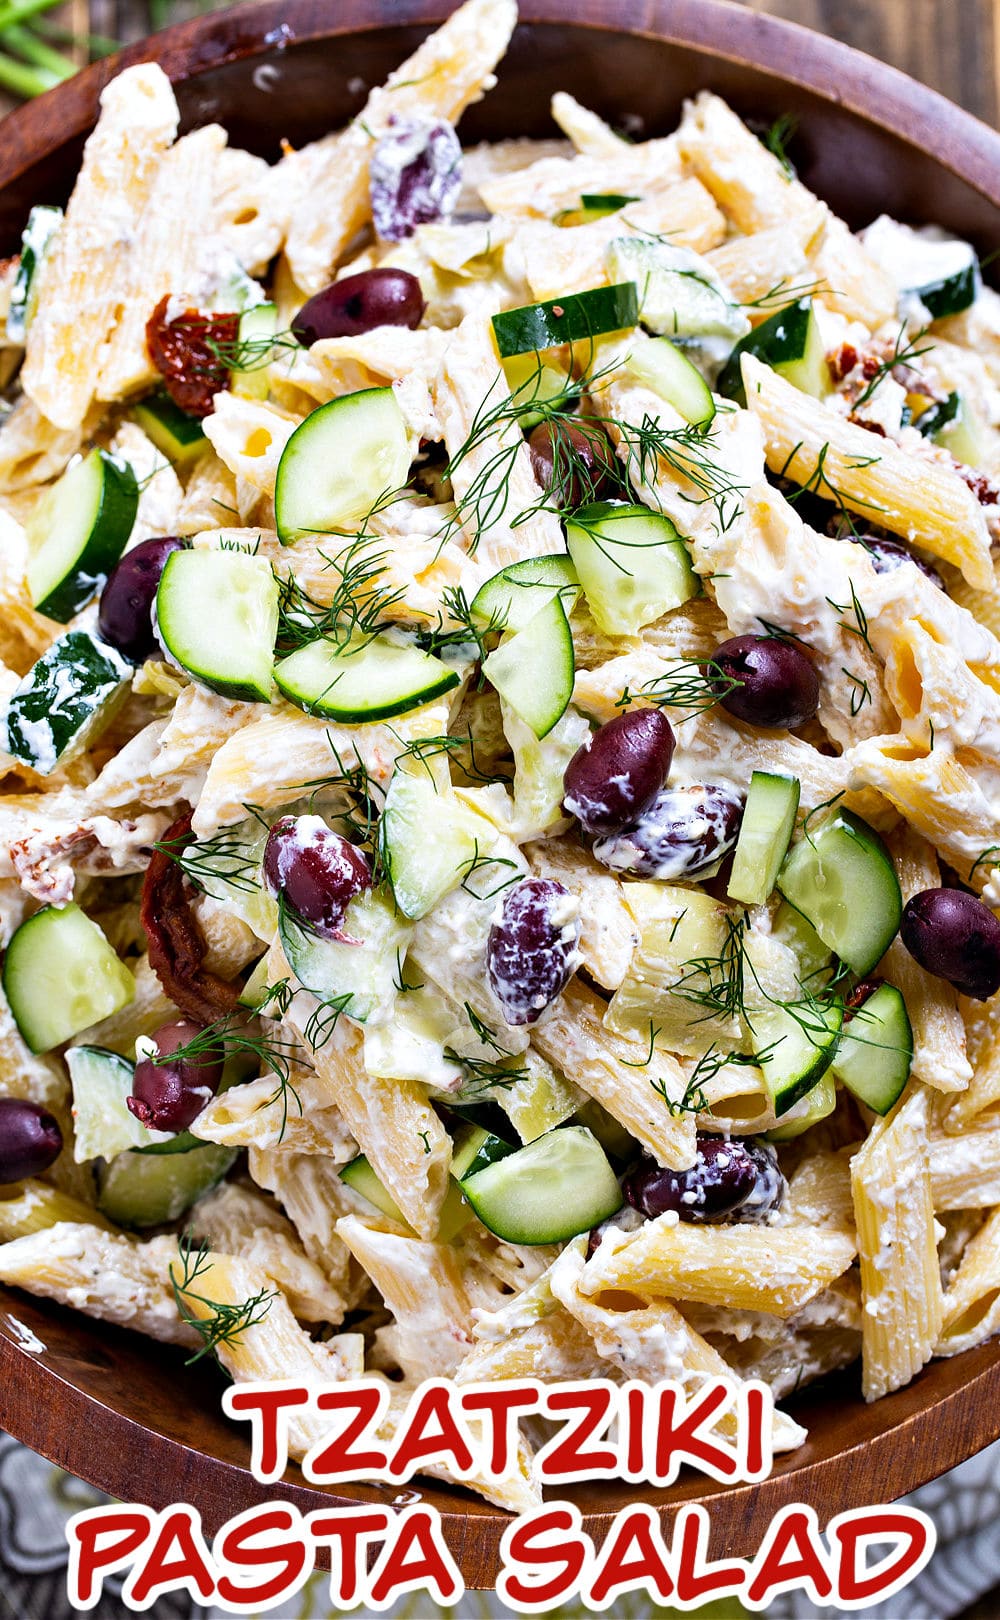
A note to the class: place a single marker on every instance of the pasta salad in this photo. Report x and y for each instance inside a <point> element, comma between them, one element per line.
<point>499,720</point>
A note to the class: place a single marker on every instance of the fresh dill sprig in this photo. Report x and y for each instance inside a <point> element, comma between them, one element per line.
<point>457,626</point>
<point>715,983</point>
<point>234,1033</point>
<point>481,862</point>
<point>224,1323</point>
<point>904,351</point>
<point>860,626</point>
<point>820,483</point>
<point>358,609</point>
<point>366,797</point>
<point>783,292</point>
<point>644,1062</point>
<point>776,139</point>
<point>992,849</point>
<point>692,684</point>
<point>400,980</point>
<point>251,353</point>
<point>223,858</point>
<point>861,693</point>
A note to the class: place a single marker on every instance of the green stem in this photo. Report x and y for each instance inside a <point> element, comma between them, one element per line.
<point>22,80</point>
<point>34,50</point>
<point>94,44</point>
<point>19,11</point>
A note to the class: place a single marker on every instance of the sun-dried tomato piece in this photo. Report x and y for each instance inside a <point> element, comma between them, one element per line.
<point>177,946</point>
<point>185,351</point>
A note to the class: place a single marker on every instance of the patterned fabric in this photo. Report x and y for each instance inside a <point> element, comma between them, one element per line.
<point>36,1499</point>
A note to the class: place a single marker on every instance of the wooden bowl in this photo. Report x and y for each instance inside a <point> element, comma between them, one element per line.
<point>126,1414</point>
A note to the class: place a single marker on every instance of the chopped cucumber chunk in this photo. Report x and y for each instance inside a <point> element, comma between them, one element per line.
<point>180,437</point>
<point>790,928</point>
<point>64,701</point>
<point>510,599</point>
<point>77,531</point>
<point>533,668</point>
<point>791,343</point>
<point>593,205</point>
<point>339,463</point>
<point>955,426</point>
<point>632,564</point>
<point>842,879</point>
<point>103,1126</point>
<point>765,834</point>
<point>667,370</point>
<point>257,327</point>
<point>254,992</point>
<point>680,295</point>
<point>795,1047</point>
<point>36,240</point>
<point>359,979</point>
<point>217,612</point>
<point>60,975</point>
<point>572,318</point>
<point>876,1050</point>
<point>428,841</point>
<point>547,1192</point>
<point>139,1189</point>
<point>534,384</point>
<point>817,1104</point>
<point>367,678</point>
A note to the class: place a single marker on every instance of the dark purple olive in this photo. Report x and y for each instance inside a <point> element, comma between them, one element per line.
<point>619,770</point>
<point>531,951</point>
<point>685,831</point>
<point>414,177</point>
<point>168,1096</point>
<point>30,1139</point>
<point>732,1179</point>
<point>359,303</point>
<point>954,936</point>
<point>887,555</point>
<point>573,462</point>
<point>316,871</point>
<point>125,615</point>
<point>777,684</point>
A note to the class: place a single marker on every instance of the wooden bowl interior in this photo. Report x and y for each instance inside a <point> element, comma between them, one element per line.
<point>127,1414</point>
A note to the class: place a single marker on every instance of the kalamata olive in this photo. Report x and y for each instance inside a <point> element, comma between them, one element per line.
<point>956,937</point>
<point>573,462</point>
<point>685,831</point>
<point>315,870</point>
<point>532,947</point>
<point>359,303</point>
<point>30,1139</point>
<point>125,614</point>
<point>778,685</point>
<point>732,1179</point>
<point>619,770</point>
<point>887,555</point>
<point>168,1096</point>
<point>415,176</point>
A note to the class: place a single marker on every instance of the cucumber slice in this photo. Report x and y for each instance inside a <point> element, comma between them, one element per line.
<point>593,205</point>
<point>364,679</point>
<point>339,463</point>
<point>533,669</point>
<point>361,979</point>
<point>474,1148</point>
<point>510,599</point>
<point>217,613</point>
<point>455,1211</point>
<point>547,1192</point>
<point>427,840</point>
<point>632,564</point>
<point>842,879</point>
<point>765,834</point>
<point>175,434</point>
<point>254,991</point>
<point>569,319</point>
<point>533,384</point>
<point>955,426</point>
<point>663,367</point>
<point>63,701</point>
<point>817,1104</point>
<point>136,1189</point>
<point>788,341</point>
<point>257,326</point>
<point>103,1126</point>
<point>796,1048</point>
<point>679,292</point>
<point>36,240</point>
<point>790,928</point>
<point>77,531</point>
<point>876,1050</point>
<point>950,294</point>
<point>60,975</point>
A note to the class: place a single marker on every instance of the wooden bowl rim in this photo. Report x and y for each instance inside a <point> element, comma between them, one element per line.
<point>907,1439</point>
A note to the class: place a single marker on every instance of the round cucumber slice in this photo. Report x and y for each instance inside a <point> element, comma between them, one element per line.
<point>876,1050</point>
<point>428,840</point>
<point>60,975</point>
<point>569,319</point>
<point>103,1126</point>
<point>359,979</point>
<point>510,599</point>
<point>662,367</point>
<point>795,1047</point>
<point>842,879</point>
<point>632,564</point>
<point>217,614</point>
<point>547,1192</point>
<point>339,463</point>
<point>362,680</point>
<point>77,531</point>
<point>534,668</point>
<point>138,1190</point>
